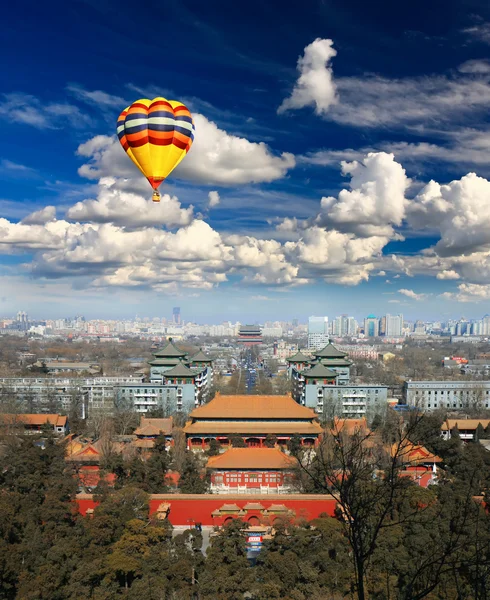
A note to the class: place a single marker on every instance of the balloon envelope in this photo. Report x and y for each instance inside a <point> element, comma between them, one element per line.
<point>156,135</point>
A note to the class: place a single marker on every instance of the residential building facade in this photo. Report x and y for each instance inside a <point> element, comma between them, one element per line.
<point>394,325</point>
<point>177,383</point>
<point>452,395</point>
<point>322,383</point>
<point>317,332</point>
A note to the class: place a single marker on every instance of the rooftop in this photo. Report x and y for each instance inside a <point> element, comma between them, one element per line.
<point>200,357</point>
<point>165,361</point>
<point>252,408</point>
<point>252,458</point>
<point>34,419</point>
<point>153,427</point>
<point>319,371</point>
<point>253,428</point>
<point>330,351</point>
<point>349,426</point>
<point>180,370</point>
<point>298,357</point>
<point>334,362</point>
<point>169,350</point>
<point>464,424</point>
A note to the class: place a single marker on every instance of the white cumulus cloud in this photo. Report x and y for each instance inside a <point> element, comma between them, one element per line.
<point>125,208</point>
<point>315,85</point>
<point>213,199</point>
<point>411,294</point>
<point>41,216</point>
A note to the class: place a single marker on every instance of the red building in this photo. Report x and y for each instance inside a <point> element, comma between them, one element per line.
<point>253,418</point>
<point>242,470</point>
<point>250,335</point>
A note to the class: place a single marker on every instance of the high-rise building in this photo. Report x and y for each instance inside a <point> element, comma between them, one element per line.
<point>344,326</point>
<point>394,325</point>
<point>176,315</point>
<point>382,326</point>
<point>352,327</point>
<point>22,320</point>
<point>371,326</point>
<point>317,332</point>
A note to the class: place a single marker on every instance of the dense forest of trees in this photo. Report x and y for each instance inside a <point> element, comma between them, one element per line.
<point>391,540</point>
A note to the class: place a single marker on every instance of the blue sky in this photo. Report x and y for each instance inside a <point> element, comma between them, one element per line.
<point>345,147</point>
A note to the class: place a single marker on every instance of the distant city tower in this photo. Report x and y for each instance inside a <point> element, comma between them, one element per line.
<point>176,315</point>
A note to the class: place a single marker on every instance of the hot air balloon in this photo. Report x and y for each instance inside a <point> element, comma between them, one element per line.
<point>156,135</point>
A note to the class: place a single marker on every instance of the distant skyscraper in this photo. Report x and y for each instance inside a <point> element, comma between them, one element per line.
<point>394,325</point>
<point>317,332</point>
<point>176,315</point>
<point>22,320</point>
<point>371,326</point>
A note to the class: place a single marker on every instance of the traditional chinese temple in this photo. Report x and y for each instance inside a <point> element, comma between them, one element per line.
<point>253,418</point>
<point>255,470</point>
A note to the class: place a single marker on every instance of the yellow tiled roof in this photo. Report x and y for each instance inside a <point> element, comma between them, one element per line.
<point>255,407</point>
<point>252,427</point>
<point>252,458</point>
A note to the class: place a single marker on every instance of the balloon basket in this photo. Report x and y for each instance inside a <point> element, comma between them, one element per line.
<point>156,197</point>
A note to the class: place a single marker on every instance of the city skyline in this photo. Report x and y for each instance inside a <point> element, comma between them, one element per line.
<point>334,165</point>
<point>321,328</point>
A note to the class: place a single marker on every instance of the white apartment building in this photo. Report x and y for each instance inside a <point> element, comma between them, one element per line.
<point>317,332</point>
<point>39,394</point>
<point>394,326</point>
<point>448,395</point>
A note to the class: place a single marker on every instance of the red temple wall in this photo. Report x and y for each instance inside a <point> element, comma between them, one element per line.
<point>187,509</point>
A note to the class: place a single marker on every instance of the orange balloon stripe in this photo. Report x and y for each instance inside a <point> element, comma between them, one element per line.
<point>162,135</point>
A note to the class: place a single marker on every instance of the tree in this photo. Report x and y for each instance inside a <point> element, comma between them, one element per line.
<point>270,440</point>
<point>376,422</point>
<point>305,562</point>
<point>157,467</point>
<point>192,479</point>
<point>214,448</point>
<point>127,559</point>
<point>479,433</point>
<point>237,441</point>
<point>364,478</point>
<point>179,449</point>
<point>226,574</point>
<point>294,444</point>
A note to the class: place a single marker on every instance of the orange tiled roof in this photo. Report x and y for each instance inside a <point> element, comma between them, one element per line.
<point>253,407</point>
<point>89,453</point>
<point>252,458</point>
<point>252,428</point>
<point>414,454</point>
<point>153,427</point>
<point>464,424</point>
<point>349,426</point>
<point>35,419</point>
<point>148,444</point>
